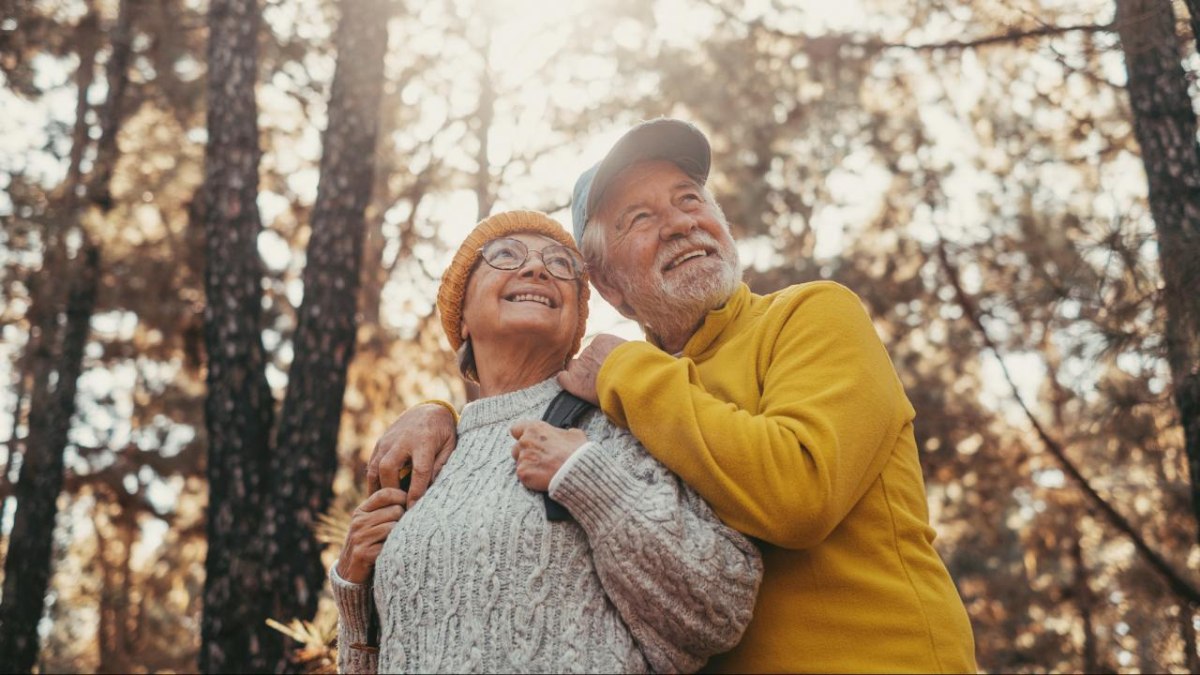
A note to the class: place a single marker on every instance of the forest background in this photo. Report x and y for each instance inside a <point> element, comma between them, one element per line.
<point>243,208</point>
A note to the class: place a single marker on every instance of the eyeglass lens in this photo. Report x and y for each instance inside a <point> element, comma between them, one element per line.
<point>511,254</point>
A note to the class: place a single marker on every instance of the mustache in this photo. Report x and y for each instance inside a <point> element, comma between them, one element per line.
<point>694,240</point>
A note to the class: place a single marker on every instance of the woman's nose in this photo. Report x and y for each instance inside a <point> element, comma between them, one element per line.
<point>534,266</point>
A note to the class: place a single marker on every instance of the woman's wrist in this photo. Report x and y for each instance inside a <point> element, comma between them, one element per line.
<point>563,468</point>
<point>349,572</point>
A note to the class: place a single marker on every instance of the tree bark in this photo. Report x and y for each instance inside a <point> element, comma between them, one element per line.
<point>28,563</point>
<point>1165,126</point>
<point>305,459</point>
<point>238,406</point>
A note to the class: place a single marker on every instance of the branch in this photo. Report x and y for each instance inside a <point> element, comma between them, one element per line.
<point>1009,36</point>
<point>1181,586</point>
<point>1012,35</point>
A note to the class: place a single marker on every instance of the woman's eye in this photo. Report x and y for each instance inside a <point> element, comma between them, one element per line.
<point>504,255</point>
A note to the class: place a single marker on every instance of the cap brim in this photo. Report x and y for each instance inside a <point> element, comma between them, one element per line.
<point>669,139</point>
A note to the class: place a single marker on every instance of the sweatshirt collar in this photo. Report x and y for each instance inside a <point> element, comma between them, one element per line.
<point>716,321</point>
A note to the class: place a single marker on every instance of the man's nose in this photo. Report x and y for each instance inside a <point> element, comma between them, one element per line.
<point>678,224</point>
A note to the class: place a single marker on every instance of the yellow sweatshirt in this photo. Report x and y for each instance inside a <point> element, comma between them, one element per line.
<point>786,414</point>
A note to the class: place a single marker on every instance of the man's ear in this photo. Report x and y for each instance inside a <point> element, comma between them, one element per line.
<point>612,295</point>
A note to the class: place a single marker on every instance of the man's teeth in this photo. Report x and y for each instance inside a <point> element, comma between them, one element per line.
<point>528,297</point>
<point>685,257</point>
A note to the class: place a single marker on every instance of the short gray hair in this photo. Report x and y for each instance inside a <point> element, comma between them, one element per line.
<point>593,246</point>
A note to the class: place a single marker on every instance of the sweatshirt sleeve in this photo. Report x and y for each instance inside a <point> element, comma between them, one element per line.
<point>829,409</point>
<point>683,582</point>
<point>354,604</point>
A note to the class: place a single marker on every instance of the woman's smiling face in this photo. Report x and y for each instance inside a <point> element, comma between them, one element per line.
<point>525,302</point>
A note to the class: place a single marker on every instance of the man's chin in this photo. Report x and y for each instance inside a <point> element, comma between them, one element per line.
<point>706,285</point>
<point>682,297</point>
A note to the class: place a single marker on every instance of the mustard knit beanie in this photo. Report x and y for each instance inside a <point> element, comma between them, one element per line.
<point>454,280</point>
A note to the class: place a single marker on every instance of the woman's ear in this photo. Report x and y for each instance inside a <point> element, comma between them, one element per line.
<point>463,332</point>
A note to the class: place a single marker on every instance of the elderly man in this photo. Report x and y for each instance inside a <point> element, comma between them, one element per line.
<point>783,411</point>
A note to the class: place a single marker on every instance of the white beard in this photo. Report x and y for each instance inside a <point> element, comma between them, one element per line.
<point>671,308</point>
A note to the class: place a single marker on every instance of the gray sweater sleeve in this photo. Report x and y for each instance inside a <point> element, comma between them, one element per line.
<point>354,604</point>
<point>684,582</point>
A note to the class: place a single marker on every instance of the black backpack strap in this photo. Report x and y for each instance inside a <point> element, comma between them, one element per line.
<point>564,412</point>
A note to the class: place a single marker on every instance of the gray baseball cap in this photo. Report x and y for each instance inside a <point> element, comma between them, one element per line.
<point>663,138</point>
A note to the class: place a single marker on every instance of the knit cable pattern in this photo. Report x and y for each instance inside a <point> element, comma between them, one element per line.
<point>475,579</point>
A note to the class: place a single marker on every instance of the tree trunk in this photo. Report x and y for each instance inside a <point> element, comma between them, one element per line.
<point>305,459</point>
<point>11,450</point>
<point>87,35</point>
<point>1194,16</point>
<point>485,113</point>
<point>1086,604</point>
<point>99,191</point>
<point>57,367</point>
<point>1165,126</point>
<point>87,38</point>
<point>106,630</point>
<point>55,361</point>
<point>1187,631</point>
<point>238,406</point>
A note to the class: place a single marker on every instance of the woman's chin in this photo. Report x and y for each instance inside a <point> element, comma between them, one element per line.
<point>545,331</point>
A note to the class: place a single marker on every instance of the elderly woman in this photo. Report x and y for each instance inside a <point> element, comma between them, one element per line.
<point>474,577</point>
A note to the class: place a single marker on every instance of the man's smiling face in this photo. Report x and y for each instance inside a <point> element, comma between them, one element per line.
<point>669,257</point>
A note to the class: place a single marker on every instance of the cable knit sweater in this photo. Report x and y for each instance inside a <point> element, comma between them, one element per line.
<point>475,579</point>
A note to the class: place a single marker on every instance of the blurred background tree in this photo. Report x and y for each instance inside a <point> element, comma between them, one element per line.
<point>980,173</point>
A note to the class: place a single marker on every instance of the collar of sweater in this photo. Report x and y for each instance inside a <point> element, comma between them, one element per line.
<point>705,337</point>
<point>504,407</point>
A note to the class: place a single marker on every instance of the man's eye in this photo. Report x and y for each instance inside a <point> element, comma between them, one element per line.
<point>691,197</point>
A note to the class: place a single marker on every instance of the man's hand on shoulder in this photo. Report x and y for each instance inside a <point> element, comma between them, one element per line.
<point>423,438</point>
<point>579,378</point>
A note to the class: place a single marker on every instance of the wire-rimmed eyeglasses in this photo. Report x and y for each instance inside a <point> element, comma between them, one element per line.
<point>510,254</point>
